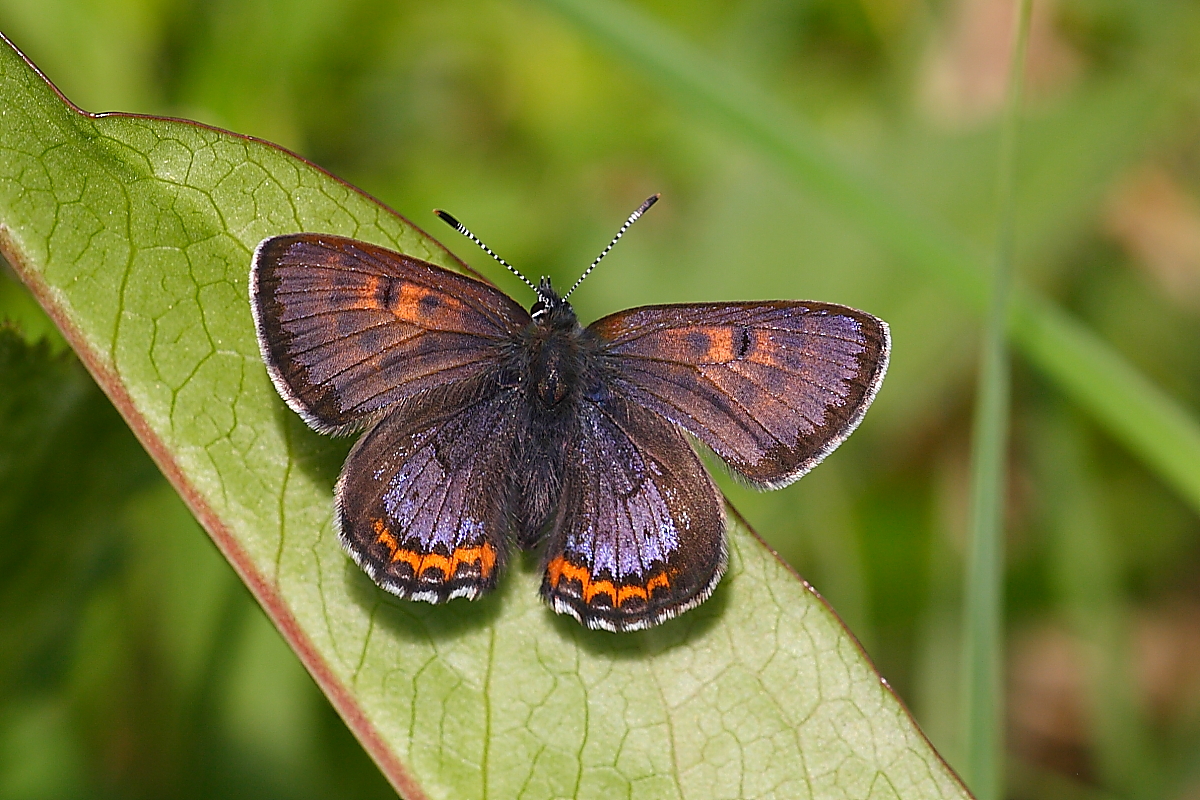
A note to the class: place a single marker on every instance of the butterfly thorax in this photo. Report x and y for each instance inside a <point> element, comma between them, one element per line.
<point>552,349</point>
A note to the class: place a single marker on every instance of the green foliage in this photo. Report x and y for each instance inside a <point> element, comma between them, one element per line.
<point>138,233</point>
<point>804,149</point>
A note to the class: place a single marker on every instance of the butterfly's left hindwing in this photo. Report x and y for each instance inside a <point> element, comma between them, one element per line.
<point>771,387</point>
<point>639,536</point>
<point>422,498</point>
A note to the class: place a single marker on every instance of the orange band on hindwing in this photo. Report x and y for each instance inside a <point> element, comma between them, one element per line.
<point>560,568</point>
<point>483,554</point>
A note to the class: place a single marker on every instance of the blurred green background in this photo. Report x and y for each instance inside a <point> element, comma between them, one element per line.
<point>133,663</point>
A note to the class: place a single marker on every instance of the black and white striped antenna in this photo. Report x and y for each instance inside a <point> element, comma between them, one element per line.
<point>651,200</point>
<point>458,226</point>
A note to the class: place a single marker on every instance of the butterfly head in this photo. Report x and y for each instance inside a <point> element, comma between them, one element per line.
<point>551,310</point>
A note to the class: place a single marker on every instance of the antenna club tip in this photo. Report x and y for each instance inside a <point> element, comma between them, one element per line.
<point>446,218</point>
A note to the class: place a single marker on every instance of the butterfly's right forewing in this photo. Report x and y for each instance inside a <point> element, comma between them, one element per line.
<point>771,387</point>
<point>347,328</point>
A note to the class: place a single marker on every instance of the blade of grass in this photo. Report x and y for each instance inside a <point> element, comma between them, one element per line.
<point>983,615</point>
<point>1136,413</point>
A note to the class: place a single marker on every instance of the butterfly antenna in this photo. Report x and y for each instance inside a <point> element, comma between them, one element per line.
<point>458,226</point>
<point>651,200</point>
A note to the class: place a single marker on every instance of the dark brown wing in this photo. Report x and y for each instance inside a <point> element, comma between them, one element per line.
<point>640,533</point>
<point>347,328</point>
<point>422,501</point>
<point>771,387</point>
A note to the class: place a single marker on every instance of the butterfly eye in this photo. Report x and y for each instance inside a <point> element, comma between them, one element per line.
<point>539,308</point>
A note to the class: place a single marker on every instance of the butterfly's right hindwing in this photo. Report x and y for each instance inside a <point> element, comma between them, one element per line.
<point>640,533</point>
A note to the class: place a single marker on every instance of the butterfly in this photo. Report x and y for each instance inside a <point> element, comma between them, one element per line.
<point>488,426</point>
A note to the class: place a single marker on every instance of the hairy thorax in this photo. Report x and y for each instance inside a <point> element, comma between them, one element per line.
<point>554,382</point>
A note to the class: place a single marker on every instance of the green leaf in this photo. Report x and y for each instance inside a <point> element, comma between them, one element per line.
<point>135,234</point>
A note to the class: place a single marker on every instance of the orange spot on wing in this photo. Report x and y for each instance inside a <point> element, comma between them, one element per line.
<point>660,579</point>
<point>763,349</point>
<point>702,344</point>
<point>434,561</point>
<point>418,304</point>
<point>487,558</point>
<point>554,570</point>
<point>720,346</point>
<point>410,557</point>
<point>384,537</point>
<point>560,568</point>
<point>626,592</point>
<point>366,294</point>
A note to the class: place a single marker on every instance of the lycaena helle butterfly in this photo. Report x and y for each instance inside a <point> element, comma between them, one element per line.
<point>489,425</point>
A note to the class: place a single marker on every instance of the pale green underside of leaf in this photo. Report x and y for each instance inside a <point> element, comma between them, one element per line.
<point>136,235</point>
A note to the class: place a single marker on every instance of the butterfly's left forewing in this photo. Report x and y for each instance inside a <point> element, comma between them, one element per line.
<point>639,536</point>
<point>771,387</point>
<point>347,328</point>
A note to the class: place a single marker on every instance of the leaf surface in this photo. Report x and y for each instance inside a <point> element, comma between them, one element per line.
<point>135,234</point>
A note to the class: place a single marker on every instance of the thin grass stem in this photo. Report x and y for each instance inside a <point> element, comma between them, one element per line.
<point>983,618</point>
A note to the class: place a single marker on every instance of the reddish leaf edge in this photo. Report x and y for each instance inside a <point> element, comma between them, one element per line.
<point>262,589</point>
<point>258,584</point>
